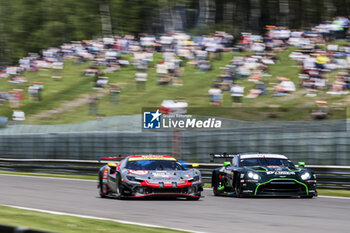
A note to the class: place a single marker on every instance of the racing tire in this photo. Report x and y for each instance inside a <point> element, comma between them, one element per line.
<point>215,186</point>
<point>216,191</point>
<point>119,187</point>
<point>103,189</point>
<point>238,188</point>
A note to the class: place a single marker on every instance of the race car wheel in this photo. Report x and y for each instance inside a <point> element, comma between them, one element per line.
<point>215,189</point>
<point>216,185</point>
<point>119,188</point>
<point>103,189</point>
<point>238,188</point>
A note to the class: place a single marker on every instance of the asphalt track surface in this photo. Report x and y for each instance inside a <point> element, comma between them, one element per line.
<point>210,214</point>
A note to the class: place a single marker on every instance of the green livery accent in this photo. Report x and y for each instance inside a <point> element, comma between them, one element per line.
<point>259,184</point>
<point>296,170</point>
<point>221,188</point>
<point>258,170</point>
<point>227,164</point>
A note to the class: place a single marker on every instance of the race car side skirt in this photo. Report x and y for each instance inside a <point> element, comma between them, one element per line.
<point>259,184</point>
<point>146,183</point>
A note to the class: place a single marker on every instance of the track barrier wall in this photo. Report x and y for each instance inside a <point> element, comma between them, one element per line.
<point>331,177</point>
<point>324,148</point>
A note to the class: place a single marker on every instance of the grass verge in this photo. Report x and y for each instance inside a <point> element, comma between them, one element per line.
<point>82,177</point>
<point>67,224</point>
<point>332,192</point>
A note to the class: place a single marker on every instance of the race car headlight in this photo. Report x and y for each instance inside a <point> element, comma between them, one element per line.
<point>253,175</point>
<point>133,178</point>
<point>305,176</point>
<point>195,179</point>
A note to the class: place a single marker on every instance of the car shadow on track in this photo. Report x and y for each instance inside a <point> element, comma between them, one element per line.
<point>149,199</point>
<point>255,197</point>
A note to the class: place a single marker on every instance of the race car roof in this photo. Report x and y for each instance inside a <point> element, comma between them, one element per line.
<point>273,156</point>
<point>150,157</point>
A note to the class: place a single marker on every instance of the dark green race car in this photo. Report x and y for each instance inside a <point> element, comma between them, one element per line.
<point>262,175</point>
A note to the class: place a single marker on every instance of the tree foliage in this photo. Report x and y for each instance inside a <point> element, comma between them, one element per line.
<point>32,25</point>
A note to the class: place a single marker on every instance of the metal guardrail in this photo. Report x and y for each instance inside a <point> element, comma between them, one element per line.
<point>330,177</point>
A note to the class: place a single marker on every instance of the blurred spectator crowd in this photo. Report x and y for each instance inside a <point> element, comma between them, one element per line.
<point>322,54</point>
<point>318,55</point>
<point>105,56</point>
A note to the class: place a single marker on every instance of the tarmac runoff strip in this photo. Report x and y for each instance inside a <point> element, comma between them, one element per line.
<point>72,179</point>
<point>99,218</point>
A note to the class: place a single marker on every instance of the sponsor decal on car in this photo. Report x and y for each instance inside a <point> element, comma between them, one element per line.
<point>274,156</point>
<point>280,173</point>
<point>161,174</point>
<point>138,172</point>
<point>151,158</point>
<point>105,174</point>
<point>247,191</point>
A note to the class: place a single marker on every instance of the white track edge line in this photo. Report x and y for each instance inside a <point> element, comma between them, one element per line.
<point>98,218</point>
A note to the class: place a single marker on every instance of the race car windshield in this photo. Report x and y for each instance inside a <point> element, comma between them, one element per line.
<point>154,165</point>
<point>266,162</point>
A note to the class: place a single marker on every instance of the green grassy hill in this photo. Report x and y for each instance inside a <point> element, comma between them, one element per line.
<point>74,87</point>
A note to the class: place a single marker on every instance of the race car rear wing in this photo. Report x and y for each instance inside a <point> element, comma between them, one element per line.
<point>99,158</point>
<point>221,156</point>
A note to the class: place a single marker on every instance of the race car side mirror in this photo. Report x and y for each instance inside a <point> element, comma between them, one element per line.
<point>112,164</point>
<point>301,164</point>
<point>113,167</point>
<point>195,165</point>
<point>227,164</point>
